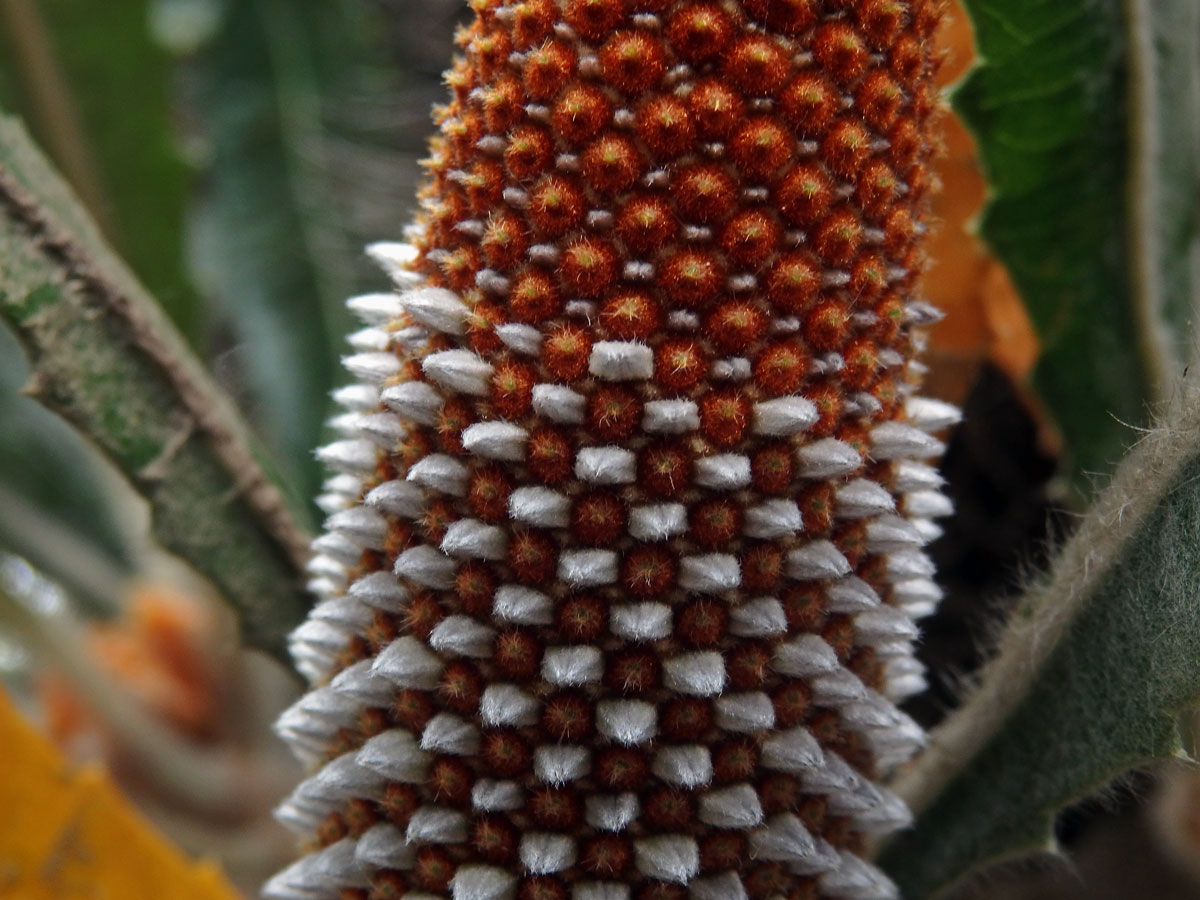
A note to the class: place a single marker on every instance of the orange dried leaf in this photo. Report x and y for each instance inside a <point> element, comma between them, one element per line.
<point>68,832</point>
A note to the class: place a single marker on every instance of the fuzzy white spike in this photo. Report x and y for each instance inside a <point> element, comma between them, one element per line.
<point>854,879</point>
<point>895,440</point>
<point>524,339</point>
<point>490,795</point>
<point>816,561</point>
<point>426,566</point>
<point>522,605</point>
<point>610,812</point>
<point>827,458</point>
<point>761,617</point>
<point>773,519</point>
<point>726,886</point>
<point>784,416</point>
<point>343,611</point>
<point>383,846</point>
<point>560,764</point>
<point>658,521</point>
<point>384,430</point>
<point>917,596</point>
<point>542,853</point>
<point>338,548</point>
<point>627,721</point>
<point>667,857</point>
<point>837,688</point>
<point>850,595</point>
<point>804,656</point>
<point>461,635</point>
<point>540,507</point>
<point>507,705</point>
<point>905,564</point>
<point>439,472</point>
<point>436,825</point>
<point>600,890</point>
<point>395,754</point>
<point>472,539</point>
<point>862,498</point>
<point>416,400</point>
<point>688,766</point>
<point>447,733</point>
<point>372,368</point>
<point>360,524</point>
<point>888,533</point>
<point>360,685</point>
<point>314,633</point>
<point>745,712</point>
<point>369,340</point>
<point>725,472</point>
<point>794,750</point>
<point>559,403</point>
<point>459,370</point>
<point>380,590</point>
<point>496,440</point>
<point>356,457</point>
<point>376,309</point>
<point>883,625</point>
<point>606,465</point>
<point>397,498</point>
<point>437,309</point>
<point>783,838</point>
<point>475,882</point>
<point>736,806</point>
<point>394,257</point>
<point>587,568</point>
<point>931,415</point>
<point>621,361</point>
<point>670,416</point>
<point>572,665</point>
<point>699,674</point>
<point>930,504</point>
<point>408,663</point>
<point>914,476</point>
<point>711,573</point>
<point>357,397</point>
<point>641,621</point>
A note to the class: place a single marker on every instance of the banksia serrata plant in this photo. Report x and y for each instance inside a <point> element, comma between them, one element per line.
<point>619,582</point>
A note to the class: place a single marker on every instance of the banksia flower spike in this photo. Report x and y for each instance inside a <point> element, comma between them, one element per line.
<point>619,581</point>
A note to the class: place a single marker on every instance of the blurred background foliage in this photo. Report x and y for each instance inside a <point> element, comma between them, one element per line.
<point>239,154</point>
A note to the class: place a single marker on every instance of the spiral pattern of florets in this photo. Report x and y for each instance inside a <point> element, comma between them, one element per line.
<point>618,586</point>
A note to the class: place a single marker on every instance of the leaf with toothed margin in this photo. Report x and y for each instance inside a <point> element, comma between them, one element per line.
<point>1098,660</point>
<point>1087,119</point>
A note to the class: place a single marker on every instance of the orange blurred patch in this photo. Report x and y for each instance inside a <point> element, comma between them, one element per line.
<point>159,652</point>
<point>985,318</point>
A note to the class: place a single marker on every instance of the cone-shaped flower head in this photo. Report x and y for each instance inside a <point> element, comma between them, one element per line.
<point>619,580</point>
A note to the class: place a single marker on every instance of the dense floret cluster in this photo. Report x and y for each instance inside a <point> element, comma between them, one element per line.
<point>619,582</point>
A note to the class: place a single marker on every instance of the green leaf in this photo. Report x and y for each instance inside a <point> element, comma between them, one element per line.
<point>104,357</point>
<point>95,89</point>
<point>270,241</point>
<point>1086,116</point>
<point>1096,663</point>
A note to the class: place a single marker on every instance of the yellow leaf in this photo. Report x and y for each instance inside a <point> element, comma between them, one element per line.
<point>66,832</point>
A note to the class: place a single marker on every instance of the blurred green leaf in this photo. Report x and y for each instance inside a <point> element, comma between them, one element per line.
<point>271,241</point>
<point>1087,118</point>
<point>95,89</point>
